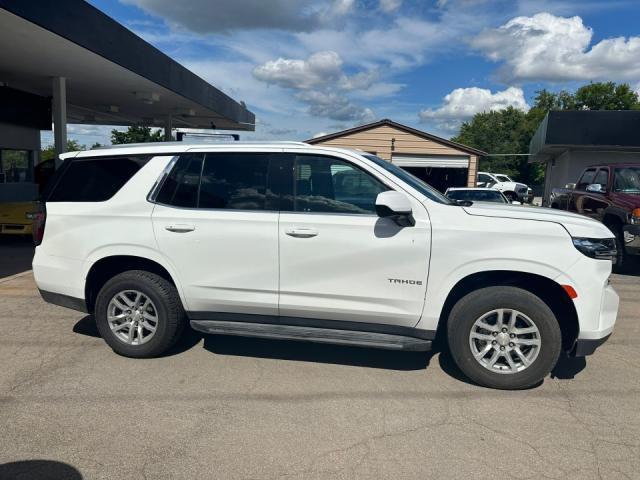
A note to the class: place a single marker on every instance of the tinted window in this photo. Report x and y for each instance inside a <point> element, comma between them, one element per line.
<point>325,184</point>
<point>587,179</point>
<point>477,195</point>
<point>602,178</point>
<point>94,179</point>
<point>180,188</point>
<point>484,178</point>
<point>236,181</point>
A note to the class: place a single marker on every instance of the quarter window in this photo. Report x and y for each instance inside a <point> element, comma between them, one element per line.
<point>325,184</point>
<point>94,179</point>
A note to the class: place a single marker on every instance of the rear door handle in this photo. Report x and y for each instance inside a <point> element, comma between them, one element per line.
<point>301,232</point>
<point>180,228</point>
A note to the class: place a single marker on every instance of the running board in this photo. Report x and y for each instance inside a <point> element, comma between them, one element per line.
<point>313,334</point>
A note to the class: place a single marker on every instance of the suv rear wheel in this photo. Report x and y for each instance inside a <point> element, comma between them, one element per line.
<point>139,314</point>
<point>504,337</point>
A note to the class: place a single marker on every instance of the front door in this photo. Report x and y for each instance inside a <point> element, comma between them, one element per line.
<point>338,259</point>
<point>217,223</point>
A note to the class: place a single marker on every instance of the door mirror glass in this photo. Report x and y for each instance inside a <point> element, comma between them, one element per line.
<point>595,188</point>
<point>395,205</point>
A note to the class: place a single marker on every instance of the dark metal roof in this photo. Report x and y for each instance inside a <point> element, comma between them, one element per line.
<point>87,27</point>
<point>399,126</point>
<point>586,130</point>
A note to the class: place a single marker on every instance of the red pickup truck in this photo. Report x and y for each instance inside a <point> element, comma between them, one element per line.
<point>610,194</point>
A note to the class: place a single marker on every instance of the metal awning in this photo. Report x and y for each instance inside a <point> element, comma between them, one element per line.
<point>433,161</point>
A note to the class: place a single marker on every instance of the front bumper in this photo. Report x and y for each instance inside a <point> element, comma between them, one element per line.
<point>631,236</point>
<point>589,341</point>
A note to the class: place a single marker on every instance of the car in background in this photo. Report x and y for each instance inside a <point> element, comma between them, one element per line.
<point>611,195</point>
<point>16,218</point>
<point>511,189</point>
<point>490,195</point>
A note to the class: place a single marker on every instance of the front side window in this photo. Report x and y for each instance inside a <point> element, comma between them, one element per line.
<point>602,178</point>
<point>331,185</point>
<point>587,179</point>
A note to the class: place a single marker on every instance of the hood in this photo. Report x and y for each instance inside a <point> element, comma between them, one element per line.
<point>576,225</point>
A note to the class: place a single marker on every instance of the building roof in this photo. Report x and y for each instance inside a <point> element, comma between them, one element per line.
<point>585,130</point>
<point>113,76</point>
<point>399,126</point>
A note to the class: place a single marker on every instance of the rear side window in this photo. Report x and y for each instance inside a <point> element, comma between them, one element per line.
<point>180,188</point>
<point>94,179</point>
<point>230,181</point>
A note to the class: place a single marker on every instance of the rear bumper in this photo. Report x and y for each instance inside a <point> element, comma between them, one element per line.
<point>64,301</point>
<point>15,229</point>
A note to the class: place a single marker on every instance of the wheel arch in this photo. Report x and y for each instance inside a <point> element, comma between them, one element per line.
<point>107,267</point>
<point>543,287</point>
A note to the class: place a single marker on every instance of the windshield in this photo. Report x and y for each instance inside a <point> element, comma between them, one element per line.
<point>493,196</point>
<point>627,180</point>
<point>424,188</point>
<point>503,178</point>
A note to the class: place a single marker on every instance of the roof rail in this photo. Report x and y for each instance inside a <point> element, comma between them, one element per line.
<point>204,144</point>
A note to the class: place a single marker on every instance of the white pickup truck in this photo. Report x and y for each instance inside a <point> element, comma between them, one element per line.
<point>317,244</point>
<point>514,191</point>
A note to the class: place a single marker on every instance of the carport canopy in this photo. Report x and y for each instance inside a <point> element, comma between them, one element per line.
<point>98,72</point>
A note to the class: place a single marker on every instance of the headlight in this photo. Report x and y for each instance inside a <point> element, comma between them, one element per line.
<point>598,248</point>
<point>635,216</point>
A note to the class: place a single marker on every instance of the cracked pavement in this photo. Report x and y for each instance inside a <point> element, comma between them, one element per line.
<point>233,408</point>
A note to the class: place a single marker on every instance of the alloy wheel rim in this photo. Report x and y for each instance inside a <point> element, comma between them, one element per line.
<point>132,317</point>
<point>505,341</point>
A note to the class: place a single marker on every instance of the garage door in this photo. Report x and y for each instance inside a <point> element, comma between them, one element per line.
<point>437,161</point>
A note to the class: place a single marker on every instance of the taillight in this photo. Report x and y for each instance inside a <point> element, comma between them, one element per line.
<point>635,216</point>
<point>39,220</point>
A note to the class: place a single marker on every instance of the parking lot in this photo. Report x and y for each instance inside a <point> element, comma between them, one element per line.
<point>225,407</point>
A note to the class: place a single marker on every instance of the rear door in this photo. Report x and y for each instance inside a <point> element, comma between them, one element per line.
<point>217,222</point>
<point>338,259</point>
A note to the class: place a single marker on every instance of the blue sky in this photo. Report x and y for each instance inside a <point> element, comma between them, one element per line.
<point>307,67</point>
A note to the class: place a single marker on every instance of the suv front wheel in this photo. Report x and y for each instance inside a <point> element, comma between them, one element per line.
<point>139,314</point>
<point>504,337</point>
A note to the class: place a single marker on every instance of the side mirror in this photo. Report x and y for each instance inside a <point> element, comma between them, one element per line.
<point>595,188</point>
<point>464,203</point>
<point>395,205</point>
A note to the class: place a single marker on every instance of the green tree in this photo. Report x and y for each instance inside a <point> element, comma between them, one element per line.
<point>510,130</point>
<point>50,151</point>
<point>136,134</point>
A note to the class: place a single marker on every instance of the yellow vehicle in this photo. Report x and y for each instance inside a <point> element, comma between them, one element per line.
<point>16,217</point>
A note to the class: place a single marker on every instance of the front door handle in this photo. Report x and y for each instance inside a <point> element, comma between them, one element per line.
<point>180,228</point>
<point>301,232</point>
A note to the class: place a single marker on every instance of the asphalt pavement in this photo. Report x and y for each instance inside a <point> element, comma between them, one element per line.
<point>234,408</point>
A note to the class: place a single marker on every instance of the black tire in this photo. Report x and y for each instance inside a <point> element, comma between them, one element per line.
<point>170,313</point>
<point>477,303</point>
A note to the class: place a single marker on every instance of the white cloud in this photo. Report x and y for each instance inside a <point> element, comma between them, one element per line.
<point>319,69</point>
<point>545,47</point>
<point>463,103</point>
<point>390,5</point>
<point>206,17</point>
<point>334,106</point>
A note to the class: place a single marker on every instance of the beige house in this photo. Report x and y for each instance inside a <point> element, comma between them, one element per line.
<point>440,162</point>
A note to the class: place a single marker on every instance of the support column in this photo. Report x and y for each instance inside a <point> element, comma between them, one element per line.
<point>59,106</point>
<point>167,128</point>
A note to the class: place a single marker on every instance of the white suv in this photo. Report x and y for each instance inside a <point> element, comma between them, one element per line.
<point>317,244</point>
